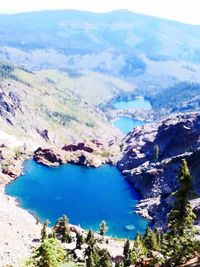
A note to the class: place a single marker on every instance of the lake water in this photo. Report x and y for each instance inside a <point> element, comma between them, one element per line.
<point>126,124</point>
<point>138,102</point>
<point>85,195</point>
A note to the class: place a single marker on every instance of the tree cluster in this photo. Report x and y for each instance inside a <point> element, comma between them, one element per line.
<point>174,246</point>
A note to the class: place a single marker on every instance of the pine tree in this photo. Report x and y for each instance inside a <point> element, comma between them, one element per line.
<point>103,228</point>
<point>79,240</point>
<point>90,261</point>
<point>139,250</point>
<point>156,152</point>
<point>180,242</point>
<point>127,253</point>
<point>49,254</point>
<point>44,233</point>
<point>90,253</point>
<point>62,231</point>
<point>105,259</point>
<point>150,240</point>
<point>89,237</point>
<point>159,237</point>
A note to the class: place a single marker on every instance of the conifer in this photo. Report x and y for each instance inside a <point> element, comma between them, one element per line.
<point>44,233</point>
<point>89,237</point>
<point>150,240</point>
<point>139,250</point>
<point>62,231</point>
<point>180,240</point>
<point>79,240</point>
<point>105,259</point>
<point>103,228</point>
<point>127,253</point>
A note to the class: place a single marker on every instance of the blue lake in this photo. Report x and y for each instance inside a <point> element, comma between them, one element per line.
<point>85,195</point>
<point>138,102</point>
<point>126,124</point>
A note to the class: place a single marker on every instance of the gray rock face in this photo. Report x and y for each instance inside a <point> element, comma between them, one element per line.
<point>177,138</point>
<point>9,103</point>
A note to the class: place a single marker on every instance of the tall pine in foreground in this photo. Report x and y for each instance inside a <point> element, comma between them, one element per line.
<point>49,253</point>
<point>180,239</point>
<point>61,230</point>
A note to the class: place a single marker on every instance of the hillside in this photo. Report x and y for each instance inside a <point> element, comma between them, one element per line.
<point>154,55</point>
<point>54,107</point>
<point>60,73</point>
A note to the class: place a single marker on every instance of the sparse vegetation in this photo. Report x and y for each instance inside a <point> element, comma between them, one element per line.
<point>156,152</point>
<point>103,228</point>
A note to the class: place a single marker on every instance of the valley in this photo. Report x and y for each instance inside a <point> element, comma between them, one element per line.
<point>97,113</point>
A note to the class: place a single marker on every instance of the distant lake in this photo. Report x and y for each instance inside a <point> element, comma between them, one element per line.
<point>126,124</point>
<point>138,102</point>
<point>86,195</point>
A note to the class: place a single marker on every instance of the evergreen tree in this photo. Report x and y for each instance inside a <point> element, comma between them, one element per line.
<point>49,254</point>
<point>150,240</point>
<point>127,253</point>
<point>89,237</point>
<point>139,250</point>
<point>159,237</point>
<point>44,233</point>
<point>61,230</point>
<point>79,240</point>
<point>90,253</point>
<point>180,242</point>
<point>156,152</point>
<point>105,259</point>
<point>103,228</point>
<point>90,261</point>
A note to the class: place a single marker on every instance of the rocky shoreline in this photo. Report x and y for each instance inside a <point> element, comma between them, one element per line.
<point>24,229</point>
<point>18,229</point>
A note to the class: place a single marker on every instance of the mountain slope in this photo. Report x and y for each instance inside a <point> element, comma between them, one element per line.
<point>154,55</point>
<point>120,30</point>
<point>52,107</point>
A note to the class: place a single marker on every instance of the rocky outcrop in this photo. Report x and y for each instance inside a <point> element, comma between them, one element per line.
<point>49,156</point>
<point>11,163</point>
<point>79,146</point>
<point>9,103</point>
<point>92,154</point>
<point>155,176</point>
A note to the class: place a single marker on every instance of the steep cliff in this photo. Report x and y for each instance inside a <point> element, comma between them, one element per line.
<point>152,154</point>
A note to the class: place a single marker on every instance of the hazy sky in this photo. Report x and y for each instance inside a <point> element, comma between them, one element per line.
<point>180,10</point>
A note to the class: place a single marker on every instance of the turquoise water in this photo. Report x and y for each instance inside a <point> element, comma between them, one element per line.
<point>85,195</point>
<point>126,124</point>
<point>139,102</point>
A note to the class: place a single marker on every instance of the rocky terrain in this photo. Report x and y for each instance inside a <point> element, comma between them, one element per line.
<point>18,229</point>
<point>55,94</point>
<point>92,154</point>
<point>154,174</point>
